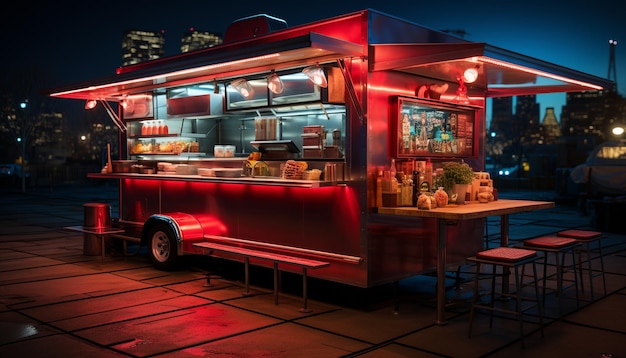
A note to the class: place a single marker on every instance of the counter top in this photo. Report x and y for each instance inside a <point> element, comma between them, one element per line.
<point>259,180</point>
<point>473,210</point>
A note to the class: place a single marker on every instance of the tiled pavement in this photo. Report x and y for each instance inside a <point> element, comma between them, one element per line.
<point>57,302</point>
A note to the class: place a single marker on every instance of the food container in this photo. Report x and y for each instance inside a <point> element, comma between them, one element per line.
<point>123,166</point>
<point>168,168</point>
<point>229,151</point>
<point>206,172</point>
<point>330,172</point>
<point>186,169</point>
<point>485,197</point>
<point>228,172</point>
<point>313,174</point>
<point>219,151</point>
<point>162,165</point>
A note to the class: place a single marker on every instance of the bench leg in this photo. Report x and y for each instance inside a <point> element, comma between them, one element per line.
<point>276,283</point>
<point>305,308</point>
<point>246,261</point>
<point>602,265</point>
<point>396,297</point>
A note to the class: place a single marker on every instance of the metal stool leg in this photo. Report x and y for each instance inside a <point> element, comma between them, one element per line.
<point>539,303</point>
<point>602,264</point>
<point>588,246</point>
<point>575,277</point>
<point>493,293</point>
<point>518,303</point>
<point>474,299</point>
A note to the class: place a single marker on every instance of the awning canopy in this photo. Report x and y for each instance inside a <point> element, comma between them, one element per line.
<point>216,63</point>
<point>502,73</point>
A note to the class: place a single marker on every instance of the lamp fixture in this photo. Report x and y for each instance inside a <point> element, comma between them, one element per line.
<point>470,75</point>
<point>275,84</point>
<point>91,104</point>
<point>242,86</point>
<point>316,75</point>
<point>128,104</point>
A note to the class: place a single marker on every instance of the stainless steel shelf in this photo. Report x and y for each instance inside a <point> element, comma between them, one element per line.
<point>268,181</point>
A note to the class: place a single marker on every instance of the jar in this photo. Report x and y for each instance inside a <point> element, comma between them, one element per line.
<point>441,197</point>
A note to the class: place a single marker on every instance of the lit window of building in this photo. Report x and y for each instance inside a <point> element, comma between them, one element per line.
<point>139,46</point>
<point>195,39</point>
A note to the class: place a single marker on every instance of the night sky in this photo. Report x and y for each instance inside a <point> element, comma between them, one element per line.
<point>78,41</point>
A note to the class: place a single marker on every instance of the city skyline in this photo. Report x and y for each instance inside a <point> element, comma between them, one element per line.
<point>75,44</point>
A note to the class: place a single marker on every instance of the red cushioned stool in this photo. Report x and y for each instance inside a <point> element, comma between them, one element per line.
<point>506,257</point>
<point>559,246</point>
<point>586,238</point>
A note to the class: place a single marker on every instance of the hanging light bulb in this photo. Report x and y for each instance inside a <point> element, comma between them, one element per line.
<point>275,84</point>
<point>470,75</point>
<point>91,104</point>
<point>242,86</point>
<point>316,75</point>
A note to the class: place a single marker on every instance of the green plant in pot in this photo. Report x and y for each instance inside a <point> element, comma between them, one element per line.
<point>456,173</point>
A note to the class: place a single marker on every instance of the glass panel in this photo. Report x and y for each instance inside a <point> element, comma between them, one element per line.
<point>429,128</point>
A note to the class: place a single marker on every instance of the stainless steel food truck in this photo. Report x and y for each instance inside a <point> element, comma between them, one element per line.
<point>241,146</point>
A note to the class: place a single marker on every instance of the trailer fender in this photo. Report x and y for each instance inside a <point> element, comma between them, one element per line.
<point>186,228</point>
<point>170,236</point>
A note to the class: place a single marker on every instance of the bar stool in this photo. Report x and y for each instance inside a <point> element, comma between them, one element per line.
<point>586,238</point>
<point>559,246</point>
<point>506,258</point>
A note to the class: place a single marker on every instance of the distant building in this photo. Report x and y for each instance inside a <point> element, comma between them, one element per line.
<point>587,113</point>
<point>139,46</point>
<point>586,121</point>
<point>195,39</point>
<point>501,117</point>
<point>550,127</point>
<point>527,124</point>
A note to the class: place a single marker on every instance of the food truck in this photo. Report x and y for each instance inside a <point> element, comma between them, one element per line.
<point>275,140</point>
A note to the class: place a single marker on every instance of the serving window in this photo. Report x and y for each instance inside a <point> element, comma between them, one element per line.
<point>431,128</point>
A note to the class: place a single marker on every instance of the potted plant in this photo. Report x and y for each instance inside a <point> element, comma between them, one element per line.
<point>456,178</point>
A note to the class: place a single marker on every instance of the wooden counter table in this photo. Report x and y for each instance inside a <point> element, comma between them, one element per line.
<point>451,214</point>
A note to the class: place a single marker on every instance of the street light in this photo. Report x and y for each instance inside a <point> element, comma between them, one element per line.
<point>618,130</point>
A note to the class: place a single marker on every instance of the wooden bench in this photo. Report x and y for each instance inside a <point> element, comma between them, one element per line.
<point>248,253</point>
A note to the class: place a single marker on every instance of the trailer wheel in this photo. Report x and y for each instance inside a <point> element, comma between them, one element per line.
<point>162,245</point>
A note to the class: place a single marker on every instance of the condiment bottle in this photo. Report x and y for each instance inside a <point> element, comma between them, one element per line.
<point>379,189</point>
<point>416,191</point>
<point>407,191</point>
<point>428,174</point>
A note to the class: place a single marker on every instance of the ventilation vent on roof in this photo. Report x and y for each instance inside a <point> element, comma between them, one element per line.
<point>253,26</point>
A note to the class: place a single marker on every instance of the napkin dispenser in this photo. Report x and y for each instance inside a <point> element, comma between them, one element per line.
<point>481,179</point>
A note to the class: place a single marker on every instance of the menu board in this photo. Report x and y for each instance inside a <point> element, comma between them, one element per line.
<point>431,128</point>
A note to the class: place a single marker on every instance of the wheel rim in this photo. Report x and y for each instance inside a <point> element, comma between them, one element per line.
<point>161,248</point>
